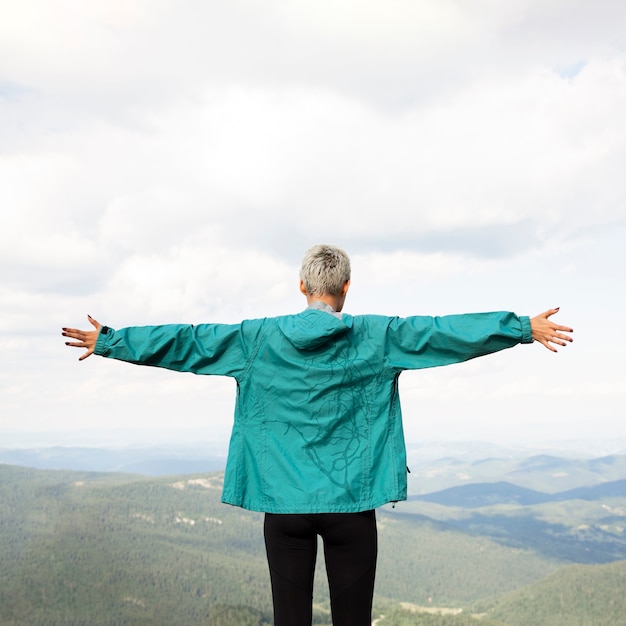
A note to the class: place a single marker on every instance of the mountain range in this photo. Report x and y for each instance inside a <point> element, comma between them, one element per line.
<point>105,548</point>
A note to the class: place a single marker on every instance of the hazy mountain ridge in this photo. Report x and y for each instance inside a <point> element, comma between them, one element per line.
<point>433,468</point>
<point>151,460</point>
<point>477,495</point>
<point>542,473</point>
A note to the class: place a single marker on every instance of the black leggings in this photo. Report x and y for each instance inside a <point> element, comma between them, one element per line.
<point>350,550</point>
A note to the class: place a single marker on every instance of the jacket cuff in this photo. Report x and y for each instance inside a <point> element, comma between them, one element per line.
<point>102,344</point>
<point>527,331</point>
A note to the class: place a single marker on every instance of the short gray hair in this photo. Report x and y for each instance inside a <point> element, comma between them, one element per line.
<point>325,269</point>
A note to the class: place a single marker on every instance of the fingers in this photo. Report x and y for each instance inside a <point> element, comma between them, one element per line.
<point>564,329</point>
<point>558,342</point>
<point>86,354</point>
<point>76,344</point>
<point>560,334</point>
<point>547,345</point>
<point>89,347</point>
<point>548,333</point>
<point>549,313</point>
<point>74,333</point>
<point>556,338</point>
<point>77,333</point>
<point>84,338</point>
<point>97,325</point>
<point>564,338</point>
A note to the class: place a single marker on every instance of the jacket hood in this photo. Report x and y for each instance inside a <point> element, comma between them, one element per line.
<point>311,328</point>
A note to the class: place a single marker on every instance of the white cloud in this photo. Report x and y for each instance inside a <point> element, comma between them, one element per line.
<point>167,161</point>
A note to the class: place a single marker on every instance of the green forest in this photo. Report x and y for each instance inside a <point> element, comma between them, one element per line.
<point>111,549</point>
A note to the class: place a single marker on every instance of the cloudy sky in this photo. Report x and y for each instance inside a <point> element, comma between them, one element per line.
<point>168,161</point>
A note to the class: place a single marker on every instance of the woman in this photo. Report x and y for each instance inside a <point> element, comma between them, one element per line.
<point>317,442</point>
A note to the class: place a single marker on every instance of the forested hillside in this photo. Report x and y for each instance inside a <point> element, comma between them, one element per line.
<point>104,549</point>
<point>578,595</point>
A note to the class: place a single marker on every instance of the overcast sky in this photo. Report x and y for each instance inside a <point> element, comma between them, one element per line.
<point>168,161</point>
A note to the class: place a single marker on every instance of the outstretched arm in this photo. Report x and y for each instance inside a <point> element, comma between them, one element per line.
<point>217,349</point>
<point>86,338</point>
<point>548,333</point>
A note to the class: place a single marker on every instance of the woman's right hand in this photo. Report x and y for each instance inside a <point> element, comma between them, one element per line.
<point>85,338</point>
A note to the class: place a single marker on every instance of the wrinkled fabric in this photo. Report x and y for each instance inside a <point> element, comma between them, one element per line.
<point>318,424</point>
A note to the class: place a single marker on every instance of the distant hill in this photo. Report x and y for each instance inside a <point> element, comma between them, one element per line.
<point>613,489</point>
<point>578,595</point>
<point>477,495</point>
<point>151,461</point>
<point>583,525</point>
<point>543,473</point>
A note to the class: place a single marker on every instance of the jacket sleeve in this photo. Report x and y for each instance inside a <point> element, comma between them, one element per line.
<point>421,342</point>
<point>219,349</point>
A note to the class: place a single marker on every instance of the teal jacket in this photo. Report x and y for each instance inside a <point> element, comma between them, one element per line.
<point>318,426</point>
